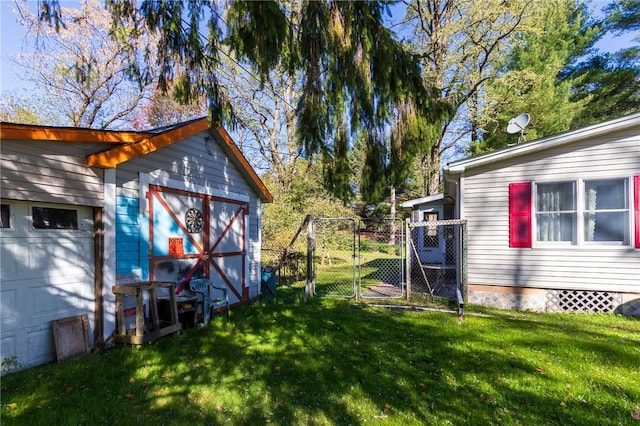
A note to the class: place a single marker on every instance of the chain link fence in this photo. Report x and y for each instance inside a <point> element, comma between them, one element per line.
<point>437,258</point>
<point>284,253</point>
<point>370,258</point>
<point>381,255</point>
<point>334,257</point>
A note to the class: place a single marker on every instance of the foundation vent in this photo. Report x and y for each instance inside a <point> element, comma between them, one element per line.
<point>582,301</point>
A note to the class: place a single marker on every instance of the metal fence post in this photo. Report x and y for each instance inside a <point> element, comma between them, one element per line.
<point>407,242</point>
<point>311,246</point>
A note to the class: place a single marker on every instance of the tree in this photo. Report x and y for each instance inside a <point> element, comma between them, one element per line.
<point>352,69</point>
<point>265,112</point>
<point>459,42</point>
<point>162,109</point>
<point>82,70</point>
<point>610,82</point>
<point>530,81</point>
<point>19,110</point>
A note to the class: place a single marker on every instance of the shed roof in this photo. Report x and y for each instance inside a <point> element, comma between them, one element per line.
<point>129,144</point>
<point>622,123</point>
<point>440,197</point>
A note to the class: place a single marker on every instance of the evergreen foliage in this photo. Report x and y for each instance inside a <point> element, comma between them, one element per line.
<point>353,72</point>
<point>529,81</point>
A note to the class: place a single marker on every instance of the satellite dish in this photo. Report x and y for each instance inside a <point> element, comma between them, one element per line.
<point>517,125</point>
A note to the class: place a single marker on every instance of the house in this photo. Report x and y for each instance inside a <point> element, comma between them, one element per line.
<point>83,210</point>
<point>554,224</point>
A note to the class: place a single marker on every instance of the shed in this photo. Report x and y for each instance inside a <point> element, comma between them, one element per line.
<point>431,208</point>
<point>554,224</point>
<point>83,210</point>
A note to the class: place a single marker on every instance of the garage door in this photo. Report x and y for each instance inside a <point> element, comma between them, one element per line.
<point>47,271</point>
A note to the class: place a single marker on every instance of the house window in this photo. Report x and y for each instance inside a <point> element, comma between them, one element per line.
<point>606,210</point>
<point>583,211</point>
<point>431,237</point>
<point>5,216</point>
<point>556,211</point>
<point>54,218</point>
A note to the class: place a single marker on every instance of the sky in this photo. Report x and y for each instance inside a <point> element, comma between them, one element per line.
<point>11,42</point>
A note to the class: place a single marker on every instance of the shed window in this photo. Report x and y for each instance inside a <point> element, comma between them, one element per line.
<point>54,218</point>
<point>5,216</point>
<point>431,233</point>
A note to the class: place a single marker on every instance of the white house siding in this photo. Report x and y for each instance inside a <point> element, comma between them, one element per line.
<point>199,161</point>
<point>485,204</point>
<point>50,172</point>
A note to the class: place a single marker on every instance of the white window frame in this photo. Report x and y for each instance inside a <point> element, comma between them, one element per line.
<point>534,215</point>
<point>628,210</point>
<point>579,239</point>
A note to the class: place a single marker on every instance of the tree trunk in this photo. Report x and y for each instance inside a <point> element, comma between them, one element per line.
<point>430,168</point>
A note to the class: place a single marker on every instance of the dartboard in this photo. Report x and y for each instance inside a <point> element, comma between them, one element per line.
<point>193,220</point>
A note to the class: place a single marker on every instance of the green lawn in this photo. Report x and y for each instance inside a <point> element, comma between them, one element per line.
<point>331,361</point>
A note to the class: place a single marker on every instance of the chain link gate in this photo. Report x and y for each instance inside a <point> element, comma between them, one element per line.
<point>359,258</point>
<point>437,258</point>
<point>381,272</point>
<point>334,257</point>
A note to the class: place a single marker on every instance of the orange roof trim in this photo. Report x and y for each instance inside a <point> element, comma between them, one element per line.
<point>67,134</point>
<point>112,157</point>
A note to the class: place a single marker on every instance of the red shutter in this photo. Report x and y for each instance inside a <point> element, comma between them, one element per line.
<point>520,214</point>
<point>636,207</point>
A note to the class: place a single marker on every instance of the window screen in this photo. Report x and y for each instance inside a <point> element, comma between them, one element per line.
<point>606,210</point>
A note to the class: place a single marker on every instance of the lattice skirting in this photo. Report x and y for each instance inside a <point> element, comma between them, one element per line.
<point>545,300</point>
<point>582,301</point>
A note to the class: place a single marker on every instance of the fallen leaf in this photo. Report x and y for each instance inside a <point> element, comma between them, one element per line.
<point>128,395</point>
<point>132,380</point>
<point>222,408</point>
<point>540,370</point>
<point>635,415</point>
<point>12,406</point>
<point>68,390</point>
<point>563,404</point>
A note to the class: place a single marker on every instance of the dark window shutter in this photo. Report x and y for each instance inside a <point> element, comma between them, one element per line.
<point>520,232</point>
<point>636,208</point>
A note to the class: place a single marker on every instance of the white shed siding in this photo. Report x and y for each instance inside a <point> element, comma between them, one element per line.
<point>46,172</point>
<point>199,161</point>
<point>486,204</point>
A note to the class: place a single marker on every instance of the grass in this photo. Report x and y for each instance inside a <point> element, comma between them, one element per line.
<point>331,361</point>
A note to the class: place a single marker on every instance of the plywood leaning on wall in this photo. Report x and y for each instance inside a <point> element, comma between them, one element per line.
<point>71,337</point>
